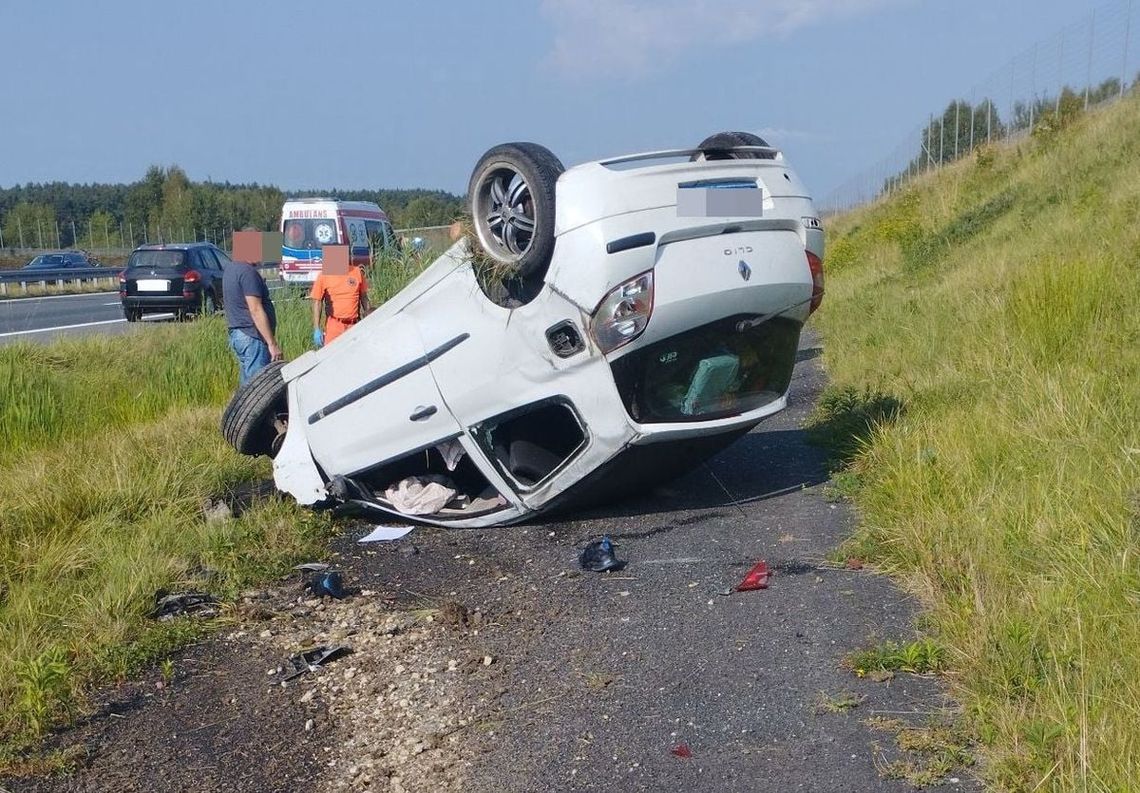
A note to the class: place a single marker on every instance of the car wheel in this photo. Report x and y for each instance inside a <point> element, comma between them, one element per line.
<point>714,147</point>
<point>132,314</point>
<point>209,303</point>
<point>255,420</point>
<point>511,197</point>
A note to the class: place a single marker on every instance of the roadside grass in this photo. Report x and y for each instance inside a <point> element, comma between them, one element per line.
<point>109,449</point>
<point>983,338</point>
<point>919,657</point>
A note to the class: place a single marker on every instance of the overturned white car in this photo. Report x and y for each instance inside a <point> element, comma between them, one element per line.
<point>613,325</point>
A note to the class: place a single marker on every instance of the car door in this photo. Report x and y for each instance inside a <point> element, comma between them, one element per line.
<point>212,275</point>
<point>371,397</point>
<point>204,265</point>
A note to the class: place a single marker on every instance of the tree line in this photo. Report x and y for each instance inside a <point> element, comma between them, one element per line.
<point>166,205</point>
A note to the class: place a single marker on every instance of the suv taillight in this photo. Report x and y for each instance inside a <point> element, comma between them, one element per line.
<point>815,264</point>
<point>192,277</point>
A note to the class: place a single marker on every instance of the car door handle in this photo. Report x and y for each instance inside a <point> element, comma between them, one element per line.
<point>422,412</point>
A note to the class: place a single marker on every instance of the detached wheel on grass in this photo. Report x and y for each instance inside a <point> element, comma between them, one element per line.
<point>511,197</point>
<point>715,147</point>
<point>255,420</point>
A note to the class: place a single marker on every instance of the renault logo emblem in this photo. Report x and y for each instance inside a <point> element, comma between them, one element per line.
<point>744,270</point>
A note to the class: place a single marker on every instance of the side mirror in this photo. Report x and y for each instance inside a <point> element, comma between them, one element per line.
<point>418,243</point>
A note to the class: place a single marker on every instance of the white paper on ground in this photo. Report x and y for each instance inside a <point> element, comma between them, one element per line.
<point>386,533</point>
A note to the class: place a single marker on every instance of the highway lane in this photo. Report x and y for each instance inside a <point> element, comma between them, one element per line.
<point>41,319</point>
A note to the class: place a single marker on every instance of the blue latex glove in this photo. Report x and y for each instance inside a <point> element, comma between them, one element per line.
<point>318,337</point>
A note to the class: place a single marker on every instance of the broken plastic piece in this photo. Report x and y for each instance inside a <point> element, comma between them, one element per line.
<point>757,578</point>
<point>681,750</point>
<point>330,584</point>
<point>598,556</point>
<point>312,567</point>
<point>196,604</point>
<point>314,659</point>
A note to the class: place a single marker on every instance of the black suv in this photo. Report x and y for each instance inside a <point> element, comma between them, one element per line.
<point>180,278</point>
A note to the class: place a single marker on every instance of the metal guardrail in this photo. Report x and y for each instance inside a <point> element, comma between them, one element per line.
<point>63,276</point>
<point>54,277</point>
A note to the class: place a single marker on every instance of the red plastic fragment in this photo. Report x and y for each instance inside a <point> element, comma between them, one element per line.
<point>681,750</point>
<point>757,578</point>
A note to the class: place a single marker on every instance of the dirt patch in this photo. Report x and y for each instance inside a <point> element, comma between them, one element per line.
<point>391,715</point>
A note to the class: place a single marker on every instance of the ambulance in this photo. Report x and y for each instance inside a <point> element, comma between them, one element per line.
<point>309,223</point>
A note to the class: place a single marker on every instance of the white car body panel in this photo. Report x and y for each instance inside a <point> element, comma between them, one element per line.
<point>441,361</point>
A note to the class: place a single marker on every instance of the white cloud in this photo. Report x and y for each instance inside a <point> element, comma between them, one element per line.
<point>634,37</point>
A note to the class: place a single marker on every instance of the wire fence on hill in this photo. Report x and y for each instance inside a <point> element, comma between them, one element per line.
<point>1089,63</point>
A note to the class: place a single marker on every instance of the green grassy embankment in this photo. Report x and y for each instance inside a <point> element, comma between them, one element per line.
<point>108,447</point>
<point>986,320</point>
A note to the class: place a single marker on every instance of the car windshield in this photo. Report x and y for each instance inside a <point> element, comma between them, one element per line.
<point>157,259</point>
<point>310,233</point>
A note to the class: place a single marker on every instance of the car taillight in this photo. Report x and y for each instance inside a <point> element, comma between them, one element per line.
<point>123,278</point>
<point>623,313</point>
<point>815,264</point>
<point>192,277</point>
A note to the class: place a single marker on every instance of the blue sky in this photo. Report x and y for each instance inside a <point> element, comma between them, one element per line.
<point>385,94</point>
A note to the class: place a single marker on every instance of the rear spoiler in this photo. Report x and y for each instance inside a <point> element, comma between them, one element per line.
<point>765,152</point>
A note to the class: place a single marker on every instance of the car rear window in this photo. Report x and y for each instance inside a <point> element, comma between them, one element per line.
<point>310,233</point>
<point>157,259</point>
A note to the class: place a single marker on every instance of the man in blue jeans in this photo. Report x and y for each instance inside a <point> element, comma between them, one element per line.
<point>250,318</point>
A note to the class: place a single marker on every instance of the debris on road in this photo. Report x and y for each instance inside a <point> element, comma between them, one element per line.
<point>681,750</point>
<point>386,533</point>
<point>328,583</point>
<point>314,659</point>
<point>184,604</point>
<point>598,557</point>
<point>757,578</point>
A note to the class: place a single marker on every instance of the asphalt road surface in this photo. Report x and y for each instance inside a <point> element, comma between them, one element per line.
<point>603,674</point>
<point>42,319</point>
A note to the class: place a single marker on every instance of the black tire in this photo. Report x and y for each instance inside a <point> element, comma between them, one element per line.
<point>511,198</point>
<point>249,422</point>
<point>714,147</point>
<point>132,314</point>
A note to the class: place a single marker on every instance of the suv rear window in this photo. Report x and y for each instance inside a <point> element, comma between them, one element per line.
<point>157,259</point>
<point>310,233</point>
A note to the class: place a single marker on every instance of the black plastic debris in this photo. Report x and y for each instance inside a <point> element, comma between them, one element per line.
<point>329,584</point>
<point>184,604</point>
<point>598,557</point>
<point>313,659</point>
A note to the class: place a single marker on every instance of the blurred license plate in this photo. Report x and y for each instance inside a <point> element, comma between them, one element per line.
<point>151,285</point>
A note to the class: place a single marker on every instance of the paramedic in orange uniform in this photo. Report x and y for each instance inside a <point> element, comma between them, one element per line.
<point>344,299</point>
